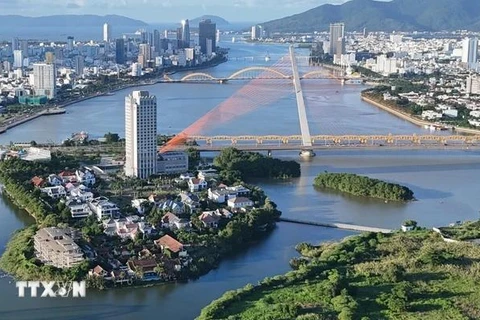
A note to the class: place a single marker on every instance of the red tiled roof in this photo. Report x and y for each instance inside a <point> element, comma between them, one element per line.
<point>98,270</point>
<point>170,243</point>
<point>66,174</point>
<point>37,181</point>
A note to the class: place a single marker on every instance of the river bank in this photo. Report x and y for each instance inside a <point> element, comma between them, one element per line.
<point>141,82</point>
<point>414,120</point>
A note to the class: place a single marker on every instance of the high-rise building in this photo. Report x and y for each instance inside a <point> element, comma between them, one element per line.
<point>120,51</point>
<point>17,58</point>
<point>140,135</point>
<point>470,52</point>
<point>144,54</point>
<point>70,43</point>
<point>15,44</point>
<point>107,32</point>
<point>165,34</point>
<point>185,34</point>
<point>337,31</point>
<point>23,45</point>
<point>79,64</point>
<point>217,37</point>
<point>157,41</point>
<point>256,32</point>
<point>207,30</point>
<point>44,79</point>
<point>179,38</point>
<point>49,57</point>
<point>473,84</point>
<point>136,69</point>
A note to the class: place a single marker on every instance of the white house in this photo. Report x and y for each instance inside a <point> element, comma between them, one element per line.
<point>218,195</point>
<point>81,193</point>
<point>78,208</point>
<point>54,180</point>
<point>85,177</point>
<point>208,174</point>
<point>103,208</point>
<point>56,192</point>
<point>239,202</point>
<point>210,219</point>
<point>172,222</point>
<point>196,184</point>
<point>139,205</point>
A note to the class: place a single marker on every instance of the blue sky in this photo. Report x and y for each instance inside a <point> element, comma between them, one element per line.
<point>159,11</point>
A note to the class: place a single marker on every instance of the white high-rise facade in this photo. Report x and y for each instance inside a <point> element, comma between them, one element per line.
<point>44,79</point>
<point>17,58</point>
<point>140,135</point>
<point>107,32</point>
<point>470,52</point>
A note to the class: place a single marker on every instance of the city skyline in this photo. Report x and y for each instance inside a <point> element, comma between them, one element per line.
<point>160,11</point>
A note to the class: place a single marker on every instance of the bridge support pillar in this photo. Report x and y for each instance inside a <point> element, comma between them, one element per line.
<point>307,153</point>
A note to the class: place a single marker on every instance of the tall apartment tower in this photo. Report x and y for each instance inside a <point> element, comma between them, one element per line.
<point>144,54</point>
<point>18,58</point>
<point>470,52</point>
<point>207,30</point>
<point>186,34</point>
<point>337,32</point>
<point>107,32</point>
<point>140,135</point>
<point>120,51</point>
<point>44,79</point>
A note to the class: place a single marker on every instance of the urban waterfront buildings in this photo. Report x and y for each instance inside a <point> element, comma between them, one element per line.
<point>140,135</point>
<point>44,79</point>
<point>207,30</point>
<point>56,247</point>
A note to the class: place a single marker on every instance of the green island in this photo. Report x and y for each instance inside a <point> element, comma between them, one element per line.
<point>363,186</point>
<point>411,275</point>
<point>178,232</point>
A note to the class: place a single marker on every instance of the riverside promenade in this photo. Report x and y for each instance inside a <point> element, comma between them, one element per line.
<point>335,225</point>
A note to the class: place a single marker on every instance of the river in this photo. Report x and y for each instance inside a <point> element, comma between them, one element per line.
<point>444,182</point>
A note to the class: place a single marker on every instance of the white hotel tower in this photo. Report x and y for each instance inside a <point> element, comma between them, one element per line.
<point>140,135</point>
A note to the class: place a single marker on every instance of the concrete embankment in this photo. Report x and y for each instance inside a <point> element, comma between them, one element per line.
<point>411,119</point>
<point>336,225</point>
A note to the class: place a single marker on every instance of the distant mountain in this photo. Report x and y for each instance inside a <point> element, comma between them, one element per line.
<point>62,21</point>
<point>399,15</point>
<point>216,19</point>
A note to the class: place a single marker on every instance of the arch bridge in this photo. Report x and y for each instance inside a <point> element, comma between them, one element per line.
<point>256,72</point>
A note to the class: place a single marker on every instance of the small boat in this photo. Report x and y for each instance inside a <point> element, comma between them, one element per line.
<point>233,39</point>
<point>267,57</point>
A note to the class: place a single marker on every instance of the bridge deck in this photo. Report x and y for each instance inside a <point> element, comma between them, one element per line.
<point>336,225</point>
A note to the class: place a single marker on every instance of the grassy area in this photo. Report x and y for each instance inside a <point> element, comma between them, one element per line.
<point>371,276</point>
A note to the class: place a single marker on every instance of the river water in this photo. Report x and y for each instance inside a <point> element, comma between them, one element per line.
<point>444,182</point>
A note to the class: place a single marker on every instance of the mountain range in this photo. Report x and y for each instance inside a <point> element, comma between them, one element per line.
<point>396,15</point>
<point>215,19</point>
<point>62,21</point>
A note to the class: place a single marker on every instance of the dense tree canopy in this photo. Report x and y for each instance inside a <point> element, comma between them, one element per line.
<point>363,186</point>
<point>237,164</point>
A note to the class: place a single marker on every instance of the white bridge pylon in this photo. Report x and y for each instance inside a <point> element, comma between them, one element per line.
<point>302,113</point>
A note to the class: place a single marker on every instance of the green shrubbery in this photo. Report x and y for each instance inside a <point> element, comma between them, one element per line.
<point>241,165</point>
<point>413,275</point>
<point>363,186</point>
